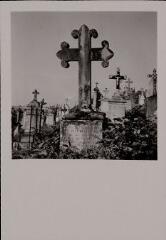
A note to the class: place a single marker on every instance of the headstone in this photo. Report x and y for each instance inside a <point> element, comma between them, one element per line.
<point>114,107</point>
<point>31,121</point>
<point>83,128</point>
<point>50,118</point>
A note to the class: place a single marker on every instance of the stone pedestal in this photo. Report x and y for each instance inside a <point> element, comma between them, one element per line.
<point>80,134</point>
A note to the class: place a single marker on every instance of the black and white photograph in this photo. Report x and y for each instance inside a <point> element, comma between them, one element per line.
<point>84,85</point>
<point>83,81</point>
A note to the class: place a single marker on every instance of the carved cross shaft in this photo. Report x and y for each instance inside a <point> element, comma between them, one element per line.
<point>118,78</point>
<point>84,54</point>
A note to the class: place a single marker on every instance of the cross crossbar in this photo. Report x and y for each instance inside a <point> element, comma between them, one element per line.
<point>84,54</point>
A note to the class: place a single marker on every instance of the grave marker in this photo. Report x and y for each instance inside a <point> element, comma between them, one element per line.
<point>83,129</point>
<point>84,55</point>
<point>118,78</point>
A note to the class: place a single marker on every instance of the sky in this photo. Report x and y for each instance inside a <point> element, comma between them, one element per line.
<point>36,38</point>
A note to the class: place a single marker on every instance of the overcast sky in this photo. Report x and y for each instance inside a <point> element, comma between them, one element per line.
<point>36,37</point>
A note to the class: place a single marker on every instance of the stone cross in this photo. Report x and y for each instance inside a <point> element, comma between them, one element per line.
<point>153,76</point>
<point>128,81</point>
<point>106,91</point>
<point>118,78</point>
<point>35,92</point>
<point>84,55</point>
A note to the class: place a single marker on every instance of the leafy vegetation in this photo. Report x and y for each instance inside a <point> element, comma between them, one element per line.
<point>132,137</point>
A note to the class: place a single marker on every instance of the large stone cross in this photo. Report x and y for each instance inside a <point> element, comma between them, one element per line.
<point>153,76</point>
<point>118,78</point>
<point>84,54</point>
<point>35,92</point>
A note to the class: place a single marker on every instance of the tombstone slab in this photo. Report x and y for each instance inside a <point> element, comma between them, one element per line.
<point>80,134</point>
<point>114,107</point>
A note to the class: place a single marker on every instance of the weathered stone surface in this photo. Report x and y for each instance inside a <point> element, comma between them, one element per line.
<point>151,106</point>
<point>84,55</point>
<point>50,119</point>
<point>114,107</point>
<point>80,134</point>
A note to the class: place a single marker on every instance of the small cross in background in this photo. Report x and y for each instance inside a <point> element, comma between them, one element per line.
<point>118,78</point>
<point>35,92</point>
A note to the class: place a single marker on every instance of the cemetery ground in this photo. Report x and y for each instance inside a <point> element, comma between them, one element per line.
<point>133,137</point>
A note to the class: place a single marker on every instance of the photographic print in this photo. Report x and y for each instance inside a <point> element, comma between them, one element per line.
<point>84,85</point>
<point>83,81</point>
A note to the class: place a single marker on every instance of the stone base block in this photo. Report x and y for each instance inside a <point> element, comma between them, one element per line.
<point>80,134</point>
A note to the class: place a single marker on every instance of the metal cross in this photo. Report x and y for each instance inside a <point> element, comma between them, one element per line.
<point>118,78</point>
<point>84,54</point>
<point>42,103</point>
<point>106,91</point>
<point>153,76</point>
<point>35,92</point>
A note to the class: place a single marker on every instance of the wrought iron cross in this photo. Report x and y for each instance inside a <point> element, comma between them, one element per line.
<point>35,92</point>
<point>118,78</point>
<point>153,76</point>
<point>42,103</point>
<point>84,54</point>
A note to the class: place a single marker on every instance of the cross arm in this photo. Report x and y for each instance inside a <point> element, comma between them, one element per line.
<point>67,54</point>
<point>112,76</point>
<point>122,77</point>
<point>102,54</point>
